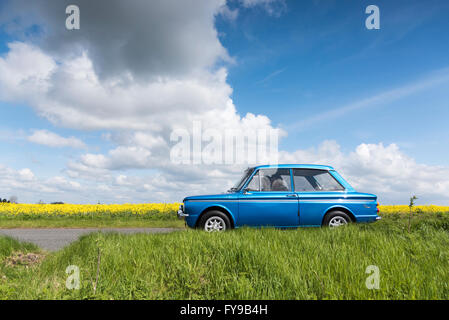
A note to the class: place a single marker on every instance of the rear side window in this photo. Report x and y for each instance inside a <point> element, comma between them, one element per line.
<point>302,184</point>
<point>315,180</point>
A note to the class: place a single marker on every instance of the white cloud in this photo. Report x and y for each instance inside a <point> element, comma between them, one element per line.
<point>383,170</point>
<point>31,188</point>
<point>24,69</point>
<point>26,175</point>
<point>61,183</point>
<point>51,139</point>
<point>119,158</point>
<point>73,96</point>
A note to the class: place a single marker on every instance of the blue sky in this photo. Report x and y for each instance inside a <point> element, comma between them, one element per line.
<point>358,99</point>
<point>318,55</point>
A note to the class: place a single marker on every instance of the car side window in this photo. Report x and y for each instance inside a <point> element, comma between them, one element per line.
<point>275,180</point>
<point>301,183</point>
<point>315,180</point>
<point>328,183</point>
<point>254,184</point>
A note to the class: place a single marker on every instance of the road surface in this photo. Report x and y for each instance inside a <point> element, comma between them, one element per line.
<point>55,239</point>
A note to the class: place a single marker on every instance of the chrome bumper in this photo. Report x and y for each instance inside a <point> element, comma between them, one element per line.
<point>378,218</point>
<point>181,213</point>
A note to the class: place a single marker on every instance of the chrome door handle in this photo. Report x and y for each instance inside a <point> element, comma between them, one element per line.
<point>291,196</point>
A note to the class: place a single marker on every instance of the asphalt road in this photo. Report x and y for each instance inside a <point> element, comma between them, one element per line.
<point>55,239</point>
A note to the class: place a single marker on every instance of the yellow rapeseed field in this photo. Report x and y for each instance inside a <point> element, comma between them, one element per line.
<point>416,209</point>
<point>159,209</point>
<point>147,209</point>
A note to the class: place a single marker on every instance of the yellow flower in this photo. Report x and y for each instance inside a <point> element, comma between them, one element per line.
<point>405,209</point>
<point>160,209</point>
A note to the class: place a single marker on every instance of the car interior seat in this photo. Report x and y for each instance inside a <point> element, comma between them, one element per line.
<point>265,184</point>
<point>279,185</point>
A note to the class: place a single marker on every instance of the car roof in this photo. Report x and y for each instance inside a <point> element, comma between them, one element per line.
<point>296,166</point>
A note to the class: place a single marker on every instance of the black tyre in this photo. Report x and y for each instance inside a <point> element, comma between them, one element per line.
<point>214,221</point>
<point>336,219</point>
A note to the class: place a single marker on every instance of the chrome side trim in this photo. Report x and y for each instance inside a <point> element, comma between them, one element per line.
<point>212,200</point>
<point>365,216</point>
<point>335,200</point>
<point>271,200</point>
<point>249,200</point>
<point>288,199</point>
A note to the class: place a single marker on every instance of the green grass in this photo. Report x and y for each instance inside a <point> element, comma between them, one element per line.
<point>9,245</point>
<point>88,222</point>
<point>314,263</point>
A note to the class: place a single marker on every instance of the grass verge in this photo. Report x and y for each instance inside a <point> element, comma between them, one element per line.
<point>16,258</point>
<point>315,263</point>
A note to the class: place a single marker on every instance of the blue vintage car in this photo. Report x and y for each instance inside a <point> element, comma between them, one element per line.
<point>283,196</point>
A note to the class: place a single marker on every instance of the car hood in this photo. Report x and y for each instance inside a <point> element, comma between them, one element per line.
<point>221,196</point>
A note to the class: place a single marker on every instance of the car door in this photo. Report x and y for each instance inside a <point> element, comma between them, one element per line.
<point>268,200</point>
<point>317,190</point>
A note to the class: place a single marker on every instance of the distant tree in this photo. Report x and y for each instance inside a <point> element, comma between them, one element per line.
<point>41,202</point>
<point>57,202</point>
<point>13,199</point>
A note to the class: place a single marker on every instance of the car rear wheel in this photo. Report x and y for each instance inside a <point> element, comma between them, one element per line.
<point>336,219</point>
<point>215,221</point>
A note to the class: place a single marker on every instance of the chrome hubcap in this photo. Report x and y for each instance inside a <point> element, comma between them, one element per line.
<point>337,221</point>
<point>215,224</point>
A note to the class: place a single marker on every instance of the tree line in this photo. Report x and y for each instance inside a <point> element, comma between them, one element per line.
<point>12,199</point>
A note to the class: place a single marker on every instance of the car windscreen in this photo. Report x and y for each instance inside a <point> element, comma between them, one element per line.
<point>242,180</point>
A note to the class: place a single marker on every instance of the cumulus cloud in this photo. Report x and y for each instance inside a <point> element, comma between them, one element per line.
<point>25,175</point>
<point>147,66</point>
<point>24,69</point>
<point>52,139</point>
<point>146,39</point>
<point>30,188</point>
<point>383,170</point>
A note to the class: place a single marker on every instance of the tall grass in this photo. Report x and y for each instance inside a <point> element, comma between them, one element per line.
<point>9,245</point>
<point>316,263</point>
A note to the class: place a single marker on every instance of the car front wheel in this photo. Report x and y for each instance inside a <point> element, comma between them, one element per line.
<point>214,221</point>
<point>336,219</point>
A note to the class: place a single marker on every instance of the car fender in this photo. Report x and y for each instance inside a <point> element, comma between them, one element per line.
<point>218,207</point>
<point>341,208</point>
